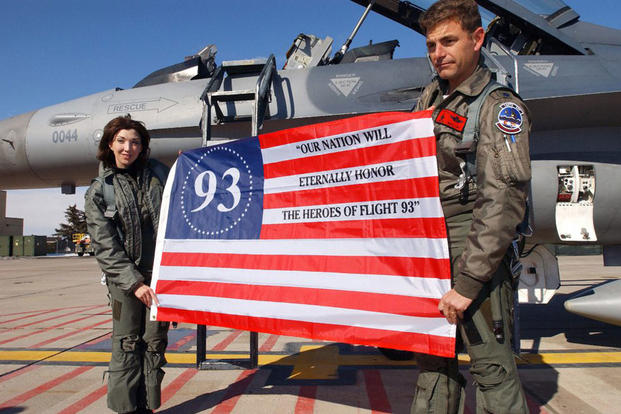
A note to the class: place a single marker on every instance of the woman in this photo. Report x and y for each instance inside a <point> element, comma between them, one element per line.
<point>122,212</point>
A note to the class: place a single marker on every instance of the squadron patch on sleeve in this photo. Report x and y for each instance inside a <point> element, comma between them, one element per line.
<point>451,120</point>
<point>510,118</point>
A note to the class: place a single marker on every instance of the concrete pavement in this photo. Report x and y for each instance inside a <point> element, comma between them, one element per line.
<point>55,340</point>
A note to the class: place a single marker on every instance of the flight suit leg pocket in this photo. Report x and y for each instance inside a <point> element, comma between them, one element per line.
<point>424,393</point>
<point>117,307</point>
<point>154,375</point>
<point>124,374</point>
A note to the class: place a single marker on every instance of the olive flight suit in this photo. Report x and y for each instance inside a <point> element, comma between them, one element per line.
<point>481,218</point>
<point>124,248</point>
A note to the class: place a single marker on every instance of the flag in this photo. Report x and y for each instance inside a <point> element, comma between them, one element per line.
<point>331,231</point>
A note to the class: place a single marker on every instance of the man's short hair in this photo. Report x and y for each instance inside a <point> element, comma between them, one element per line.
<point>466,12</point>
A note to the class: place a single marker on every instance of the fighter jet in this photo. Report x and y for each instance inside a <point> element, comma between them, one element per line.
<point>565,69</point>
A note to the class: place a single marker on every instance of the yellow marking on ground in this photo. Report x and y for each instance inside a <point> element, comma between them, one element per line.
<point>573,358</point>
<point>25,355</point>
<point>316,362</point>
<point>313,361</point>
<point>81,357</point>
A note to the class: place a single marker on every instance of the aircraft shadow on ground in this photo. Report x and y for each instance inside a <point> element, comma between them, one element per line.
<point>279,379</point>
<point>544,321</point>
<point>12,410</point>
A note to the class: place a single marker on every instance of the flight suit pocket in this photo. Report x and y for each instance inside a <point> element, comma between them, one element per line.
<point>424,392</point>
<point>512,161</point>
<point>117,307</point>
<point>488,375</point>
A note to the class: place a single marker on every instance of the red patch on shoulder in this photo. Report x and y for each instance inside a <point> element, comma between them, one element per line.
<point>451,120</point>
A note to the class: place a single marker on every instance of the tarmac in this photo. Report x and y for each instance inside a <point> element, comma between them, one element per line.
<point>55,327</point>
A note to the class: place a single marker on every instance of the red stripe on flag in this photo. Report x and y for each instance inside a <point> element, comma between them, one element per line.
<point>337,127</point>
<point>378,265</point>
<point>432,227</point>
<point>404,150</point>
<point>373,302</point>
<point>410,341</point>
<point>386,190</point>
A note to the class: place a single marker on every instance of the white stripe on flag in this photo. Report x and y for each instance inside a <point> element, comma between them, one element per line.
<point>387,284</point>
<point>391,247</point>
<point>363,174</point>
<point>309,313</point>
<point>371,210</point>
<point>401,131</point>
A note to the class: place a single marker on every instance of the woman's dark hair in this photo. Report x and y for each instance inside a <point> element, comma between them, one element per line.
<point>105,154</point>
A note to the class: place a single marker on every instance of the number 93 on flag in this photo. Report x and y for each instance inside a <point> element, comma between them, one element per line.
<point>217,192</point>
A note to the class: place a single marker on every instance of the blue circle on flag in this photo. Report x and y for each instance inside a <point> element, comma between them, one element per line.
<point>217,193</point>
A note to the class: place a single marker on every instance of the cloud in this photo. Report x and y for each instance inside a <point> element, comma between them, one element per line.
<point>43,209</point>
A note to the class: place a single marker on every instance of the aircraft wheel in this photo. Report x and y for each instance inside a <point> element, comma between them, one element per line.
<point>80,254</point>
<point>91,253</point>
<point>397,354</point>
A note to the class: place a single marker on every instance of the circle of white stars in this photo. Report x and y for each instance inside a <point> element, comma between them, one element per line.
<point>185,184</point>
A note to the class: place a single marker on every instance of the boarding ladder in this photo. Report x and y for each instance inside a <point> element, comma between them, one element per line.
<point>212,96</point>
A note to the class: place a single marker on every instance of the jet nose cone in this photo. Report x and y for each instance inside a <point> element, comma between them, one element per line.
<point>13,161</point>
<point>602,303</point>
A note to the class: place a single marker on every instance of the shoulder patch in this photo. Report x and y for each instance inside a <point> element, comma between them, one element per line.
<point>451,120</point>
<point>510,118</point>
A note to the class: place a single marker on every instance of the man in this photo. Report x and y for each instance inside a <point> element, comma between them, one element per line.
<point>483,185</point>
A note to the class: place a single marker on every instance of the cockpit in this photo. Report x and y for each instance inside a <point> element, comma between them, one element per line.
<point>513,27</point>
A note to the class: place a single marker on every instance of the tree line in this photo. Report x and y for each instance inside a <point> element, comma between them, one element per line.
<point>75,223</point>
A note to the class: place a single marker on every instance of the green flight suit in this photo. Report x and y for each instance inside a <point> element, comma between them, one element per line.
<point>481,225</point>
<point>124,248</point>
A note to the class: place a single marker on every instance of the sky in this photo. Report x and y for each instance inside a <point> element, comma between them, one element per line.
<point>52,51</point>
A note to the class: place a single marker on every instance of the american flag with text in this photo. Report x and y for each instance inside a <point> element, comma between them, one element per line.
<point>331,231</point>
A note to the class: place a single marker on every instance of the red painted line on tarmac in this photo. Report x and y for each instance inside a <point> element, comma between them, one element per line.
<point>17,373</point>
<point>227,341</point>
<point>234,391</point>
<point>176,384</point>
<point>48,341</point>
<point>378,400</point>
<point>31,316</point>
<point>306,399</point>
<point>39,331</point>
<point>182,342</point>
<point>86,401</point>
<point>58,316</point>
<point>15,401</point>
<point>470,402</point>
<point>269,343</point>
<point>534,407</point>
<point>48,310</point>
